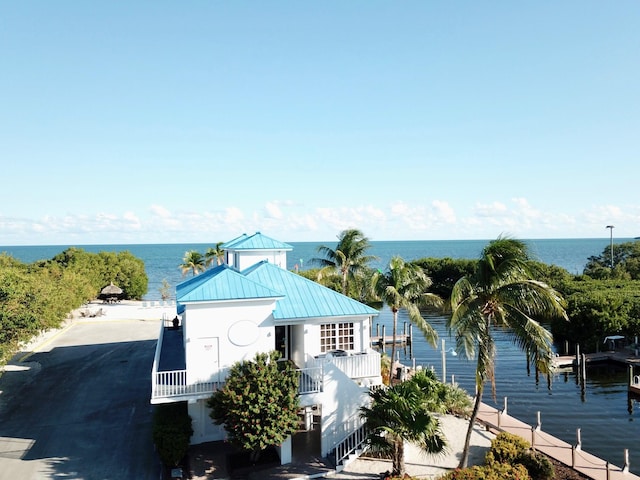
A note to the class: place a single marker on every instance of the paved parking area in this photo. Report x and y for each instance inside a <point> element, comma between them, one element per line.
<point>78,406</point>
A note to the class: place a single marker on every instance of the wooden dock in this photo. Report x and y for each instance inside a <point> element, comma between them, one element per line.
<point>571,455</point>
<point>388,340</point>
<point>380,338</point>
<point>622,356</point>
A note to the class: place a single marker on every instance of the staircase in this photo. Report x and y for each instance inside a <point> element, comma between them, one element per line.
<point>350,448</point>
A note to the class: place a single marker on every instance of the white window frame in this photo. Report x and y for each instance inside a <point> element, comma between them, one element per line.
<point>337,336</point>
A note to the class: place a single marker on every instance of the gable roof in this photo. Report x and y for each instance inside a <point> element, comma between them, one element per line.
<point>222,283</point>
<point>304,298</point>
<point>257,241</point>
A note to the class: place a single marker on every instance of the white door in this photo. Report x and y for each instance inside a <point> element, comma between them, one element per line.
<point>206,366</point>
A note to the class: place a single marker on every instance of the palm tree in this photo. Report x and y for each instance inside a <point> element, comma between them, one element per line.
<point>214,254</point>
<point>348,259</point>
<point>404,286</point>
<point>192,261</point>
<point>398,414</point>
<point>501,293</point>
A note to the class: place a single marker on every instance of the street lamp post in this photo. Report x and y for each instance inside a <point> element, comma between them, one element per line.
<point>444,360</point>
<point>610,227</point>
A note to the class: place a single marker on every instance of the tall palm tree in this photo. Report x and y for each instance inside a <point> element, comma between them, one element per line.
<point>214,254</point>
<point>398,414</point>
<point>502,293</point>
<point>193,261</point>
<point>404,286</point>
<point>348,259</point>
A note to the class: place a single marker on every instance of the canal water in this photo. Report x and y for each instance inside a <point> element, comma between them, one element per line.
<point>609,419</point>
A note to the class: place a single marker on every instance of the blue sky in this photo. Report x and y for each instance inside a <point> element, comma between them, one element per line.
<point>172,122</point>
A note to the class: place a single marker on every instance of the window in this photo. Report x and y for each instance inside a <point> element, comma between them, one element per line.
<point>336,336</point>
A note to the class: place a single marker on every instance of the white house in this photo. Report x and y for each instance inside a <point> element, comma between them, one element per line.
<point>252,303</point>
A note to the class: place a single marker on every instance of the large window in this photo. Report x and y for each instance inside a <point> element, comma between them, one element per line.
<point>336,336</point>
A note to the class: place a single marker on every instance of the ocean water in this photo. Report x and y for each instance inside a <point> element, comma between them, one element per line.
<point>608,418</point>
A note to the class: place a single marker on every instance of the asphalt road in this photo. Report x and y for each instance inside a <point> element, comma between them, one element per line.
<point>78,407</point>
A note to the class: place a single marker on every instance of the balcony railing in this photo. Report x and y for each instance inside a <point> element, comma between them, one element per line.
<point>355,365</point>
<point>173,384</point>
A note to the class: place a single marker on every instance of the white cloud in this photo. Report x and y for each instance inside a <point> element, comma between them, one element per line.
<point>160,211</point>
<point>491,209</point>
<point>398,220</point>
<point>273,210</point>
<point>444,211</point>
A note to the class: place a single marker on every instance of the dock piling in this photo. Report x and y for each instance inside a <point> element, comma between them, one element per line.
<point>578,439</point>
<point>625,468</point>
<point>533,437</point>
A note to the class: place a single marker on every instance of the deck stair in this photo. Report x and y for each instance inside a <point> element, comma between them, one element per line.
<point>350,448</point>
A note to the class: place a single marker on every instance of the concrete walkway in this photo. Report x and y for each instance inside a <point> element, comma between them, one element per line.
<point>583,462</point>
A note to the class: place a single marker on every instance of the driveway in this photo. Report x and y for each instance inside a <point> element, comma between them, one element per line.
<point>78,406</point>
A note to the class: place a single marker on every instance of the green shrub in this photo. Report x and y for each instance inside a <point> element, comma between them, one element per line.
<point>538,465</point>
<point>506,448</point>
<point>172,432</point>
<point>498,471</point>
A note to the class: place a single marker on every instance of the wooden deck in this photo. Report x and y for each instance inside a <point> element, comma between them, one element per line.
<point>621,356</point>
<point>576,458</point>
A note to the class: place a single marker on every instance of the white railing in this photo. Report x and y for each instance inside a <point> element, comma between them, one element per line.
<point>354,434</point>
<point>174,384</point>
<point>310,380</point>
<point>359,365</point>
<point>355,366</point>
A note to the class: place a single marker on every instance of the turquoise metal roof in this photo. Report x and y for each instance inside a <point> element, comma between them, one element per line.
<point>222,283</point>
<point>230,243</point>
<point>257,241</point>
<point>304,298</point>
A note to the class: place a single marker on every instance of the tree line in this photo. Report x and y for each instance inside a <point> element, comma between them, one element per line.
<point>38,296</point>
<point>599,302</point>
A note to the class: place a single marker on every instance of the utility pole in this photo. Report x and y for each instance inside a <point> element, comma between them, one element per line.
<point>610,227</point>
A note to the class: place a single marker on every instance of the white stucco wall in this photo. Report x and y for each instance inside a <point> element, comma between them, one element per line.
<point>341,400</point>
<point>361,334</point>
<point>217,335</point>
<point>249,258</point>
<point>204,429</point>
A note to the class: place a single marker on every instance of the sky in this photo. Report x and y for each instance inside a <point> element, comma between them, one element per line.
<point>197,121</point>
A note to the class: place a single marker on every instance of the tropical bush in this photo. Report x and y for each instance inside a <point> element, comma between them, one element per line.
<point>442,397</point>
<point>172,430</point>
<point>400,414</point>
<point>507,448</point>
<point>509,457</point>
<point>626,262</point>
<point>502,471</point>
<point>39,296</point>
<point>121,268</point>
<point>258,404</point>
<point>445,272</point>
<point>598,308</point>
